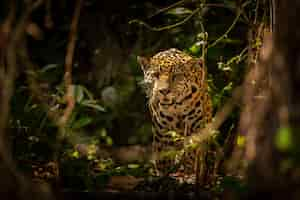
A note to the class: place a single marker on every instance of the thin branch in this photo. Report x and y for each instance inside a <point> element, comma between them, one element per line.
<point>181,22</point>
<point>48,21</point>
<point>166,8</point>
<point>68,64</point>
<point>165,27</point>
<point>256,12</point>
<point>217,5</point>
<point>238,58</point>
<point>227,32</point>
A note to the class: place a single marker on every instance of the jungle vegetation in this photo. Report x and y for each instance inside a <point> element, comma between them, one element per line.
<point>74,115</point>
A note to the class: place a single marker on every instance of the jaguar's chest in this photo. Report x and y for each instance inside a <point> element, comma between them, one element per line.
<point>182,114</point>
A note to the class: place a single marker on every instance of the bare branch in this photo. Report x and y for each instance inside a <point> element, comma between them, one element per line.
<point>68,64</point>
<point>167,8</point>
<point>165,27</point>
<point>227,32</point>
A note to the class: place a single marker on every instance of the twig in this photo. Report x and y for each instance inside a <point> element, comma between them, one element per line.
<point>227,32</point>
<point>165,27</point>
<point>217,5</point>
<point>68,64</point>
<point>35,5</point>
<point>166,8</point>
<point>238,58</point>
<point>179,23</point>
<point>48,21</point>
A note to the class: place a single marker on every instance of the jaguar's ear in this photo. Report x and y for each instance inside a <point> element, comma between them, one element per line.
<point>144,62</point>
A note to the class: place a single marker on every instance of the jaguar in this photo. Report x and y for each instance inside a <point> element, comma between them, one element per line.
<point>180,106</point>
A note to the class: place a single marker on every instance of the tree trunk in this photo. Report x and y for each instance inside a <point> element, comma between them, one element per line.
<point>271,117</point>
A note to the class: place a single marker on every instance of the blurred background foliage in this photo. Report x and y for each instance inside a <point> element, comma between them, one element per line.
<point>110,105</point>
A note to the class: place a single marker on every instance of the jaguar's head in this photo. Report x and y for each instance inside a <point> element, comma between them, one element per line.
<point>167,74</point>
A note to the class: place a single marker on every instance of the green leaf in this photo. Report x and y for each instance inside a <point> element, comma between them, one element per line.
<point>133,166</point>
<point>283,139</point>
<point>179,11</point>
<point>92,104</point>
<point>84,121</point>
<point>49,67</point>
<point>228,87</point>
<point>109,141</point>
<point>195,49</point>
<point>103,133</point>
<point>87,92</point>
<point>75,154</point>
<point>241,140</point>
<point>78,93</point>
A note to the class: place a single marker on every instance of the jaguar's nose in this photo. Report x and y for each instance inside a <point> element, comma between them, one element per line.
<point>164,91</point>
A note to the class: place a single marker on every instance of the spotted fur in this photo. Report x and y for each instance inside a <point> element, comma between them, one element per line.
<point>179,104</point>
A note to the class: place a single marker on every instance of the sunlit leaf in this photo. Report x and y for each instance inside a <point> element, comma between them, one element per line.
<point>109,141</point>
<point>92,150</point>
<point>228,87</point>
<point>90,157</point>
<point>194,49</point>
<point>257,43</point>
<point>202,36</point>
<point>241,140</point>
<point>221,65</point>
<point>75,154</point>
<point>101,166</point>
<point>179,11</point>
<point>283,139</point>
<point>92,104</point>
<point>133,166</point>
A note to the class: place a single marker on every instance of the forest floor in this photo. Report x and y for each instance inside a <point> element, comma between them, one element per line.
<point>105,175</point>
